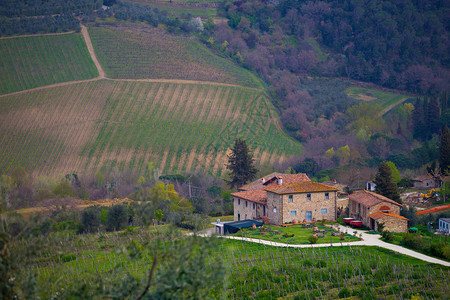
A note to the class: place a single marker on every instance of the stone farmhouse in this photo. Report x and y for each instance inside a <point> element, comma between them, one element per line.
<point>372,209</point>
<point>426,182</point>
<point>283,198</point>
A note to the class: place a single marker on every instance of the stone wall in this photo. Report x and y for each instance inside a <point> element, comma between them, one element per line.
<point>246,211</point>
<point>274,208</point>
<point>392,224</point>
<point>296,210</point>
<point>361,212</point>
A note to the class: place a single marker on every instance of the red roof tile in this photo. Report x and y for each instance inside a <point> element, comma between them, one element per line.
<point>300,187</point>
<point>258,196</point>
<point>286,178</point>
<point>380,214</point>
<point>369,199</point>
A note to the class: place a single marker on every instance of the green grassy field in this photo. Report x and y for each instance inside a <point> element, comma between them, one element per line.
<point>384,98</point>
<point>134,51</point>
<point>252,270</point>
<point>30,62</point>
<point>125,124</point>
<point>301,235</point>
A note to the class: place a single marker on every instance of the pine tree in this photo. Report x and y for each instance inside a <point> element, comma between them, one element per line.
<point>241,164</point>
<point>444,151</point>
<point>384,184</point>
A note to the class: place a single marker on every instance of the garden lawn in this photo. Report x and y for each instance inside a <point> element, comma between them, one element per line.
<point>301,235</point>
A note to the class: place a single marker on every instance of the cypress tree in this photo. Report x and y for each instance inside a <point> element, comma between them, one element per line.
<point>444,151</point>
<point>241,164</point>
<point>433,115</point>
<point>384,184</point>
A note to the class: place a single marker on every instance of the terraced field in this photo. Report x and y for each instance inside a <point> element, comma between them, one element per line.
<point>136,52</point>
<point>384,98</point>
<point>30,62</point>
<point>125,124</point>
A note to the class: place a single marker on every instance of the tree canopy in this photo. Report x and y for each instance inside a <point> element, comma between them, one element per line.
<point>241,164</point>
<point>444,151</point>
<point>384,183</point>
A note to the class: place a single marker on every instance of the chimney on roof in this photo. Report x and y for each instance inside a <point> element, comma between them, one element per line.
<point>263,180</point>
<point>280,181</point>
<point>335,181</point>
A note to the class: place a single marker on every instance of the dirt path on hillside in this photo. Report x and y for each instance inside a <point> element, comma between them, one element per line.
<point>181,81</point>
<point>387,109</point>
<point>102,74</point>
<point>87,39</point>
<point>31,35</point>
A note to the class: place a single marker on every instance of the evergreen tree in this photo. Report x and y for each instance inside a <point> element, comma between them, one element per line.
<point>384,184</point>
<point>241,164</point>
<point>444,151</point>
<point>433,116</point>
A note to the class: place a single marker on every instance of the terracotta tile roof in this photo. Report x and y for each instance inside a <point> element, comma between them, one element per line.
<point>300,187</point>
<point>258,196</point>
<point>287,178</point>
<point>425,177</point>
<point>380,214</point>
<point>369,199</point>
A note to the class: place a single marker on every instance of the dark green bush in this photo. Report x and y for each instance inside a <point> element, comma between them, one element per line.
<point>313,239</point>
<point>117,217</point>
<point>388,236</point>
<point>414,241</point>
<point>344,292</point>
<point>68,257</point>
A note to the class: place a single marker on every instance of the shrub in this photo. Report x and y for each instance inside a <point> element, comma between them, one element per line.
<point>90,219</point>
<point>68,257</point>
<point>387,236</point>
<point>288,235</point>
<point>313,239</point>
<point>344,292</point>
<point>117,217</point>
<point>446,252</point>
<point>413,240</point>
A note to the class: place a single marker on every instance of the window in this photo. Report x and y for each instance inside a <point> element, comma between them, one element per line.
<point>327,196</point>
<point>254,206</point>
<point>275,210</point>
<point>291,198</point>
<point>293,212</point>
<point>239,216</point>
<point>308,197</point>
<point>324,210</point>
<point>239,201</point>
<point>246,204</point>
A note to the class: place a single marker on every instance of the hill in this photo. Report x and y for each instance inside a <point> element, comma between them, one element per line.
<point>29,62</point>
<point>135,51</point>
<point>124,124</point>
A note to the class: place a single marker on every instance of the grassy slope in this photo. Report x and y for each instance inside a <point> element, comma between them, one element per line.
<point>125,124</point>
<point>384,98</point>
<point>254,270</point>
<point>30,62</point>
<point>134,51</point>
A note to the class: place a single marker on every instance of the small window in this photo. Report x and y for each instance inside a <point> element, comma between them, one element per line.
<point>239,216</point>
<point>239,201</point>
<point>308,197</point>
<point>291,198</point>
<point>324,210</point>
<point>327,196</point>
<point>293,212</point>
<point>275,210</point>
<point>254,206</point>
<point>246,203</point>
